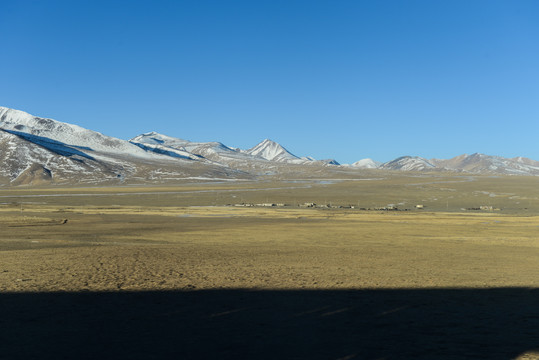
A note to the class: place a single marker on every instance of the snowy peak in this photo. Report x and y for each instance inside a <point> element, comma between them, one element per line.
<point>366,164</point>
<point>40,150</point>
<point>270,150</point>
<point>265,151</point>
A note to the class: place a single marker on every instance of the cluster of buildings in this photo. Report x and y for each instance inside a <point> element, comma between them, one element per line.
<point>390,207</point>
<point>483,207</point>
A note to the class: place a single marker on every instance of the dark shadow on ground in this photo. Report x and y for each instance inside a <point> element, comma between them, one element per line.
<point>249,324</point>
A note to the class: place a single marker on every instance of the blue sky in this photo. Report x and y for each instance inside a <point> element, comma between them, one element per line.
<point>328,79</point>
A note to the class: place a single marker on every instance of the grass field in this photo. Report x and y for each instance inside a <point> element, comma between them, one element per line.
<point>437,192</point>
<point>142,272</point>
<point>121,247</point>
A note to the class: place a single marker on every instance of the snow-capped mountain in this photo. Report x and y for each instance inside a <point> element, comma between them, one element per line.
<point>165,145</point>
<point>366,164</point>
<point>328,162</point>
<point>258,156</point>
<point>272,151</point>
<point>408,163</point>
<point>36,150</point>
<point>525,161</point>
<point>44,150</point>
<point>40,150</point>
<point>481,163</point>
<point>474,163</point>
<point>205,151</point>
<point>65,138</point>
<point>24,162</point>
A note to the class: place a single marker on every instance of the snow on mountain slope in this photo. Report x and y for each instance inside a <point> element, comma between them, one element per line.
<point>66,138</point>
<point>525,161</point>
<point>258,159</point>
<point>328,162</point>
<point>154,138</point>
<point>408,163</point>
<point>72,154</point>
<point>165,145</point>
<point>38,150</point>
<point>366,164</point>
<point>180,144</point>
<point>214,151</point>
<point>272,151</point>
<point>474,163</point>
<point>481,163</point>
<point>24,162</point>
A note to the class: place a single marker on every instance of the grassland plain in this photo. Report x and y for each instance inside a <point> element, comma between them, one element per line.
<point>142,272</point>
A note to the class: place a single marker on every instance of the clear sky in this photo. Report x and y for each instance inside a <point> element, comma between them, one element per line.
<point>329,79</point>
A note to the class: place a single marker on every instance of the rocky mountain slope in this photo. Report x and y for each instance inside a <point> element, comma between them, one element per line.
<point>473,164</point>
<point>36,150</point>
<point>262,154</point>
<point>480,163</point>
<point>408,163</point>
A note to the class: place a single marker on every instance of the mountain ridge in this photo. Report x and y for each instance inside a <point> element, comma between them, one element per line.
<point>40,150</point>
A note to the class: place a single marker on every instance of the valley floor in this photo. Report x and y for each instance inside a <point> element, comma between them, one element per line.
<point>161,281</point>
<point>133,248</point>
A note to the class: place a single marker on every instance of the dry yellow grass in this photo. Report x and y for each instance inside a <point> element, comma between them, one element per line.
<point>227,247</point>
<point>142,273</point>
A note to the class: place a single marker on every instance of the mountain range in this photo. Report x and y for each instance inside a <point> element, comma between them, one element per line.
<point>35,150</point>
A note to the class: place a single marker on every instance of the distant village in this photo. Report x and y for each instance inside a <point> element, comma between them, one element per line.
<point>389,207</point>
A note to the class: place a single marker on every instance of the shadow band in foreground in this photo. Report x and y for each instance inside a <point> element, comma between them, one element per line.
<point>497,323</point>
